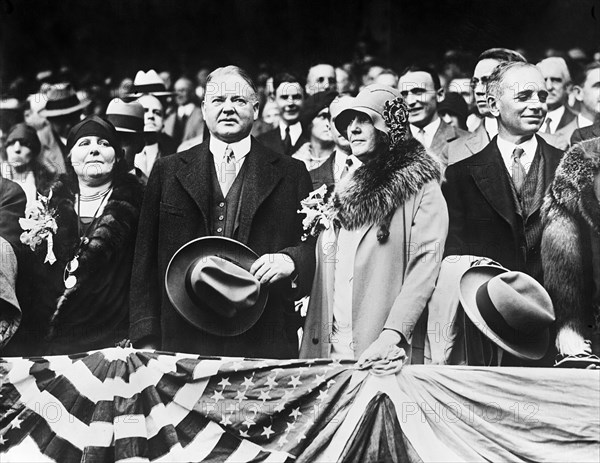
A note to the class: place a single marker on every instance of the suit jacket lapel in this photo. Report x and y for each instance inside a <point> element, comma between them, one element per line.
<point>194,177</point>
<point>492,180</point>
<point>478,140</point>
<point>261,178</point>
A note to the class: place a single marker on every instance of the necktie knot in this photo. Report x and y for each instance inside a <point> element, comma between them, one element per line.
<point>517,153</point>
<point>518,170</point>
<point>229,155</point>
<point>548,122</point>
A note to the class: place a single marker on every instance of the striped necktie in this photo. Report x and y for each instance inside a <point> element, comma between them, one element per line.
<point>518,170</point>
<point>228,170</point>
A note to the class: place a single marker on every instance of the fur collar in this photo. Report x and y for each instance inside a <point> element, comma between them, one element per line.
<point>573,187</point>
<point>380,186</point>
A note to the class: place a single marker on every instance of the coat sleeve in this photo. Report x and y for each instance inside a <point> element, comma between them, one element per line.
<point>451,189</point>
<point>145,294</point>
<point>302,252</point>
<point>423,256</point>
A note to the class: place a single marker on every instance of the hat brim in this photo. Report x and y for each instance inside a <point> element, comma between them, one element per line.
<point>201,316</point>
<point>64,111</point>
<point>471,280</point>
<point>156,94</point>
<point>344,118</point>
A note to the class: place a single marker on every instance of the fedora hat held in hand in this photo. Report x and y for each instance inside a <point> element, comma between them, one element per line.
<point>511,308</point>
<point>209,283</point>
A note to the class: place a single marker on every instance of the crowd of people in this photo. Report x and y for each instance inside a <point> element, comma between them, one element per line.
<point>398,201</point>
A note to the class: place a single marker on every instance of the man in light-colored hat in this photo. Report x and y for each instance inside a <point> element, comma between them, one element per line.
<point>63,110</point>
<point>128,119</point>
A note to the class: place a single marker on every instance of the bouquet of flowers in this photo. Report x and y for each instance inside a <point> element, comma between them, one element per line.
<point>40,225</point>
<point>319,213</point>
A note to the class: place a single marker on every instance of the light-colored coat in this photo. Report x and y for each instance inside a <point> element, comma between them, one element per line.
<point>393,278</point>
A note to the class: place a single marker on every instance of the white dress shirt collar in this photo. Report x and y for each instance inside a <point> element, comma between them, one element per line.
<point>430,130</point>
<point>185,110</point>
<point>491,126</point>
<point>583,121</point>
<point>295,131</point>
<point>506,149</point>
<point>554,116</point>
<point>240,148</point>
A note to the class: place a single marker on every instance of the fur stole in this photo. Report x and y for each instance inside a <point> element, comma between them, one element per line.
<point>573,186</point>
<point>377,188</point>
<point>114,232</point>
<point>571,215</point>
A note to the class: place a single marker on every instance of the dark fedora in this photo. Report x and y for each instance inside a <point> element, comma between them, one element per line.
<point>209,283</point>
<point>511,308</point>
<point>62,100</point>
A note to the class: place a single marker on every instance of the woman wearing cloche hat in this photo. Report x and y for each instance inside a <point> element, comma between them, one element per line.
<point>377,266</point>
<point>80,302</point>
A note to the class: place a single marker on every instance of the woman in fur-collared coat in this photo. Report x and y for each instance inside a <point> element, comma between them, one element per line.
<point>80,302</point>
<point>571,249</point>
<point>376,269</point>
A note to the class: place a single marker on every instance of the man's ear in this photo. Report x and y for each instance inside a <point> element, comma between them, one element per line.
<point>203,110</point>
<point>493,105</point>
<point>256,107</point>
<point>440,94</point>
<point>578,91</point>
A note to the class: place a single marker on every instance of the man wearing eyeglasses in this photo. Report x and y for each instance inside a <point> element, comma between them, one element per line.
<point>474,142</point>
<point>421,89</point>
<point>494,197</point>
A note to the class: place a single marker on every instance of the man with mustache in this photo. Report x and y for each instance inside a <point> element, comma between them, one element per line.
<point>494,197</point>
<point>230,186</point>
<point>289,97</point>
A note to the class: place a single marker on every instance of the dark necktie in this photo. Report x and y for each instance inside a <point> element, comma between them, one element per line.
<point>287,142</point>
<point>179,131</point>
<point>347,167</point>
<point>547,129</point>
<point>518,170</point>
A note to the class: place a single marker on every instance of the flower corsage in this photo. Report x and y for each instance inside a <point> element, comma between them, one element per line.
<point>319,213</point>
<point>40,225</point>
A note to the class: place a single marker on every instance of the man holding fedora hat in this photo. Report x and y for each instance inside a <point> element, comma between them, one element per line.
<point>230,187</point>
<point>63,110</point>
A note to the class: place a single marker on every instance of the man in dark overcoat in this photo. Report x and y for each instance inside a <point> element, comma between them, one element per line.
<point>494,197</point>
<point>194,194</point>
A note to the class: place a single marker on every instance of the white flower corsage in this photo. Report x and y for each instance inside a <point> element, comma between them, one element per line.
<point>319,213</point>
<point>40,225</point>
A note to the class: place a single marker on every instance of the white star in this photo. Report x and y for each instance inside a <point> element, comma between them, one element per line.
<point>249,422</point>
<point>264,396</point>
<point>300,437</point>
<point>271,382</point>
<point>224,383</point>
<point>311,361</point>
<point>244,434</point>
<point>280,406</point>
<point>16,423</point>
<point>225,421</point>
<point>218,395</point>
<point>290,426</point>
<point>295,381</point>
<point>247,382</point>
<point>240,396</point>
<point>2,440</point>
<point>267,431</point>
<point>330,383</point>
<point>336,363</point>
<point>323,395</point>
<point>296,413</point>
<point>282,440</point>
<point>319,379</point>
<point>287,395</point>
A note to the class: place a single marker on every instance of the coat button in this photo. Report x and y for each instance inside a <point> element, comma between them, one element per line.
<point>221,204</point>
<point>221,217</point>
<point>315,340</point>
<point>219,230</point>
